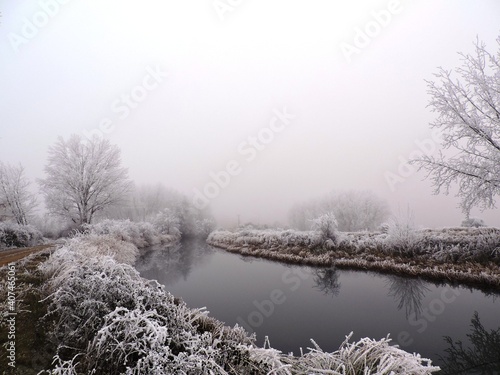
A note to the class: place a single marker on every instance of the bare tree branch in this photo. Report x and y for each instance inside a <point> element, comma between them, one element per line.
<point>468,110</point>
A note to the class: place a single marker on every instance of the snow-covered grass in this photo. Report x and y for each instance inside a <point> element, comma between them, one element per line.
<point>469,255</point>
<point>367,357</point>
<point>106,319</point>
<point>15,235</point>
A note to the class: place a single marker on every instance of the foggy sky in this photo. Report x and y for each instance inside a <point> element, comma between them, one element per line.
<point>184,88</point>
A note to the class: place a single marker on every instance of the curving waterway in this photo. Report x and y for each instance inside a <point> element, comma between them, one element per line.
<point>292,304</point>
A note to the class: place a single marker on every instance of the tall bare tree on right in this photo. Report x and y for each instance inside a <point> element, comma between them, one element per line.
<point>467,102</point>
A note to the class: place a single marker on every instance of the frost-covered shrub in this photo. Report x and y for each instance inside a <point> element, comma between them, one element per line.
<point>140,234</point>
<point>365,357</point>
<point>403,238</point>
<point>483,247</point>
<point>15,235</point>
<point>147,342</point>
<point>167,223</point>
<point>205,227</point>
<point>92,245</point>
<point>124,230</point>
<point>85,292</point>
<point>327,225</point>
<point>473,222</point>
<point>150,235</point>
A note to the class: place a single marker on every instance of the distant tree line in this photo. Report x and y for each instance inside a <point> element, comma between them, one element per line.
<point>85,181</point>
<point>353,211</point>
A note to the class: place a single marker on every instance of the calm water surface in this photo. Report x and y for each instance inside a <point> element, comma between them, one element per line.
<point>292,304</point>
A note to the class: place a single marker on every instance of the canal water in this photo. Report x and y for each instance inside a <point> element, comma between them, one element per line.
<point>292,304</point>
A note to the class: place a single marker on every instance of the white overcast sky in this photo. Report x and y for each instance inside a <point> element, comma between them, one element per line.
<point>353,122</point>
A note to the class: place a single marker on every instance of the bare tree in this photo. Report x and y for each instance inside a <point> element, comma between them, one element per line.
<point>83,177</point>
<point>468,111</point>
<point>15,195</point>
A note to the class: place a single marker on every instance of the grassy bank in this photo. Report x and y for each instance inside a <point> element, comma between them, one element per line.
<point>463,255</point>
<point>91,311</point>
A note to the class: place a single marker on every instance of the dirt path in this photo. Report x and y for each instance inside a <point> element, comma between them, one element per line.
<point>12,255</point>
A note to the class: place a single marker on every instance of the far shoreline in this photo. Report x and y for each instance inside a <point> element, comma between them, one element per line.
<point>484,276</point>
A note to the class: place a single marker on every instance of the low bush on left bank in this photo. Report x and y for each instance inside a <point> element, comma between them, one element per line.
<point>16,235</point>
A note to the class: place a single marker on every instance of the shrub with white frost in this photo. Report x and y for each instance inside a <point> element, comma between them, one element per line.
<point>403,237</point>
<point>141,234</point>
<point>327,225</point>
<point>473,222</point>
<point>365,357</point>
<point>16,235</point>
<point>167,223</point>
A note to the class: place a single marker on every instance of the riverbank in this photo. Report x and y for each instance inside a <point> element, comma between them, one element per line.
<point>95,313</point>
<point>469,256</point>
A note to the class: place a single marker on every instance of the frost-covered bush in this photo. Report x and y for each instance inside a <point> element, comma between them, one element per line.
<point>15,235</point>
<point>403,237</point>
<point>84,292</point>
<point>365,357</point>
<point>167,223</point>
<point>205,227</point>
<point>141,234</point>
<point>473,222</point>
<point>92,245</point>
<point>327,225</point>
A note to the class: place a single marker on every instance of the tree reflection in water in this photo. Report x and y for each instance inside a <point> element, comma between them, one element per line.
<point>409,294</point>
<point>169,265</point>
<point>327,281</point>
<point>479,357</point>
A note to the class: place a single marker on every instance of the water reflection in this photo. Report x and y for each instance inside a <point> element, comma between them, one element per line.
<point>480,356</point>
<point>408,293</point>
<point>231,287</point>
<point>172,264</point>
<point>327,281</point>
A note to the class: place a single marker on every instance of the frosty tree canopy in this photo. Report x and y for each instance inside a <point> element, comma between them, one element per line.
<point>468,111</point>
